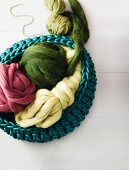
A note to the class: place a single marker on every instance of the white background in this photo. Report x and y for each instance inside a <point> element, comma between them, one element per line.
<point>102,140</point>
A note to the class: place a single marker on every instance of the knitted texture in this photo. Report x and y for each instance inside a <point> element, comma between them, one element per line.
<point>74,114</point>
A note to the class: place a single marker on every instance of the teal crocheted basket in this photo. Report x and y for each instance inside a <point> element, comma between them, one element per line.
<point>73,115</point>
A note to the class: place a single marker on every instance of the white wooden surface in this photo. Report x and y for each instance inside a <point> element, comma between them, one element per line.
<point>102,140</point>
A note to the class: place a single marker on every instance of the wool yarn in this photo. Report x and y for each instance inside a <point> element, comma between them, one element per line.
<point>16,90</point>
<point>47,107</point>
<point>78,11</point>
<point>56,6</point>
<point>44,63</point>
<point>58,24</point>
<point>77,36</point>
<point>73,115</point>
<point>78,30</point>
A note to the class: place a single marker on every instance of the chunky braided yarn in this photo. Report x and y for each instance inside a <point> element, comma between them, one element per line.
<point>47,107</point>
<point>56,6</point>
<point>16,90</point>
<point>72,116</point>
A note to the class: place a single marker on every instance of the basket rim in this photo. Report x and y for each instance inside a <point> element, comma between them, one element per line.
<point>33,134</point>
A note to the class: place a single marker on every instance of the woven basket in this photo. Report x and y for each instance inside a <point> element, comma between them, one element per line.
<point>72,116</point>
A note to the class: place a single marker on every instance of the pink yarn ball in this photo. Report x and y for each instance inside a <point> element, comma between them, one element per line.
<point>16,90</point>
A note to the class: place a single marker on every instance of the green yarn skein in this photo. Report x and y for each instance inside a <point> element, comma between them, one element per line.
<point>78,11</point>
<point>58,24</point>
<point>78,31</point>
<point>56,6</point>
<point>44,63</point>
<point>77,36</point>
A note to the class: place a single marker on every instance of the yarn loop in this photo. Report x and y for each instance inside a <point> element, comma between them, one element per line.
<point>16,90</point>
<point>56,6</point>
<point>73,115</point>
<point>47,107</point>
<point>58,24</point>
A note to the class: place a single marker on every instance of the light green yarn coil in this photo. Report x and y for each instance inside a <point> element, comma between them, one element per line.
<point>56,6</point>
<point>58,24</point>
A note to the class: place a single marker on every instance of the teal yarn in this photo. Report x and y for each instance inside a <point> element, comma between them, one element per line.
<point>72,116</point>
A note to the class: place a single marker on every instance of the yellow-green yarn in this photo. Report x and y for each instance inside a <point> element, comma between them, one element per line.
<point>58,24</point>
<point>56,6</point>
<point>47,107</point>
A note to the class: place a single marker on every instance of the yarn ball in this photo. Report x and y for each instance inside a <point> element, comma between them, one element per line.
<point>16,90</point>
<point>58,24</point>
<point>56,6</point>
<point>44,63</point>
<point>72,116</point>
<point>48,106</point>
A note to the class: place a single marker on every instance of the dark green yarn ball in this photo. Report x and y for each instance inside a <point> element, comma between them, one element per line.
<point>72,116</point>
<point>44,63</point>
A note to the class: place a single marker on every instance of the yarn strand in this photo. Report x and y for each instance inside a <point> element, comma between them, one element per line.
<point>78,10</point>
<point>26,25</point>
<point>47,107</point>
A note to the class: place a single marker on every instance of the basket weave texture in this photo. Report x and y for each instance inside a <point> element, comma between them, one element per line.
<point>73,115</point>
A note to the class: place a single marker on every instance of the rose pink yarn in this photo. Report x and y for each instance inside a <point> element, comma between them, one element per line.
<point>16,90</point>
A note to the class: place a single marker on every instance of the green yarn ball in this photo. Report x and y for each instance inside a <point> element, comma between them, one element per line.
<point>44,63</point>
<point>56,6</point>
<point>58,24</point>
